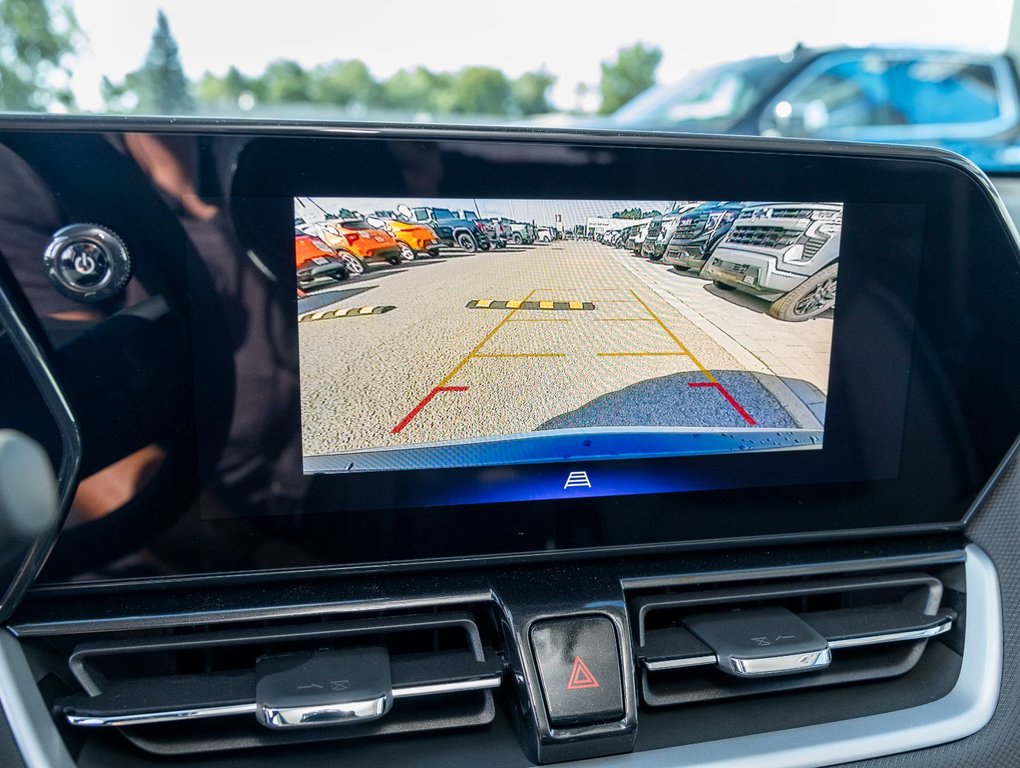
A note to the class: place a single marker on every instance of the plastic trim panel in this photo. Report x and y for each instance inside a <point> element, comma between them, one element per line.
<point>964,711</point>
<point>33,730</point>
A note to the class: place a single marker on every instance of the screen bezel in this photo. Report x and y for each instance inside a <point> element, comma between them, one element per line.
<point>942,431</point>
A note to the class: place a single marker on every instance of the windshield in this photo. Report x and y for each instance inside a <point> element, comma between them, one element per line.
<point>716,94</point>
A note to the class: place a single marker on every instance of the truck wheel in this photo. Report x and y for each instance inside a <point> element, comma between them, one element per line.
<point>518,240</point>
<point>406,252</point>
<point>467,242</point>
<point>811,298</point>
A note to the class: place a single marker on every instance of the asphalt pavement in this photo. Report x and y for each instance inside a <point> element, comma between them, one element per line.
<point>561,335</point>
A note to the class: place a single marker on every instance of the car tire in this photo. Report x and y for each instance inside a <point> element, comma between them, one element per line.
<point>406,252</point>
<point>467,242</point>
<point>723,286</point>
<point>518,240</point>
<point>811,298</point>
<point>354,265</point>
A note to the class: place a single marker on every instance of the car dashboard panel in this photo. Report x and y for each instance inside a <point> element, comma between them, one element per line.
<point>537,446</point>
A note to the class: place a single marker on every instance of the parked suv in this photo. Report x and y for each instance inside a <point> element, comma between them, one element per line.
<point>636,238</point>
<point>453,230</point>
<point>520,233</point>
<point>660,230</point>
<point>316,262</point>
<point>698,232</point>
<point>492,232</point>
<point>783,252</point>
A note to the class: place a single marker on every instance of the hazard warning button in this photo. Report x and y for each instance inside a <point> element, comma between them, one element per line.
<point>579,664</point>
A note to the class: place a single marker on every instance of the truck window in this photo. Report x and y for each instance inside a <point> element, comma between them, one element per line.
<point>878,91</point>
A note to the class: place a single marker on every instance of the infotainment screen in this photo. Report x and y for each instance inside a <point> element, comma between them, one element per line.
<point>447,333</point>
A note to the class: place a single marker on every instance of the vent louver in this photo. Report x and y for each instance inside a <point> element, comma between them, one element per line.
<point>702,644</point>
<point>200,688</point>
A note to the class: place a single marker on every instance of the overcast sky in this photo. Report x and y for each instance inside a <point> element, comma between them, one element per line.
<point>567,39</point>
<point>541,212</point>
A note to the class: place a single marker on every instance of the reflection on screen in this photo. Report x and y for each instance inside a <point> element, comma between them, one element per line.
<point>471,332</point>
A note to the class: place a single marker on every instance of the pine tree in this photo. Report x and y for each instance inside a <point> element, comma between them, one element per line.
<point>160,86</point>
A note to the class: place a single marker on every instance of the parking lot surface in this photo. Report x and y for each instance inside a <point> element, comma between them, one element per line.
<point>570,334</point>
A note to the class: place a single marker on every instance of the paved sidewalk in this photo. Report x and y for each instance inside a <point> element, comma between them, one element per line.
<point>790,350</point>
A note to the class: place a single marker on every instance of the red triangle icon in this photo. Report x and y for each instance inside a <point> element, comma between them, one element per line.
<point>581,676</point>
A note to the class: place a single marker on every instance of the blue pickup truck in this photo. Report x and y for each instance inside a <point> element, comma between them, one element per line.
<point>965,102</point>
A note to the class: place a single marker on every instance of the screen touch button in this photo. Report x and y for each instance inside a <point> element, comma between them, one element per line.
<point>579,666</point>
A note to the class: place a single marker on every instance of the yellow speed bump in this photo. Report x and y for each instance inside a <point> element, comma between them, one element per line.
<point>333,314</point>
<point>526,305</point>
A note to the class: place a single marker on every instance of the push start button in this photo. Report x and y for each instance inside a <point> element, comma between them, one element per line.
<point>579,665</point>
<point>87,263</point>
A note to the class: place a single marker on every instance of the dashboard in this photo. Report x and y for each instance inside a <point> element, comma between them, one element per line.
<point>432,446</point>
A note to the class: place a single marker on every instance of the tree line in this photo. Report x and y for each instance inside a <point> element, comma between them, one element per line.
<point>44,37</point>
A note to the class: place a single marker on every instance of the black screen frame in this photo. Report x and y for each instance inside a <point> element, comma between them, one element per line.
<point>952,445</point>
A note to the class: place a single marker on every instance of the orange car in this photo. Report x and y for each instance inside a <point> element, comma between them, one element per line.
<point>361,239</point>
<point>414,239</point>
<point>317,261</point>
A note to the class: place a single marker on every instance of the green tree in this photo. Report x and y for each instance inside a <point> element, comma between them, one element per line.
<point>287,81</point>
<point>419,89</point>
<point>481,91</point>
<point>38,42</point>
<point>635,213</point>
<point>345,83</point>
<point>159,86</point>
<point>530,92</point>
<point>228,88</point>
<point>632,72</point>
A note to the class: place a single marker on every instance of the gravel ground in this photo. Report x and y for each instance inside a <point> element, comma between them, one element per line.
<point>361,377</point>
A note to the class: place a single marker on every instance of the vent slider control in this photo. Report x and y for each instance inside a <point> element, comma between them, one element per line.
<point>761,641</point>
<point>301,690</point>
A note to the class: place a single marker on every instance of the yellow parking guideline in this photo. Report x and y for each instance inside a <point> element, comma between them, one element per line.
<point>703,369</point>
<point>497,355</point>
<point>514,304</point>
<point>643,354</point>
<point>545,305</point>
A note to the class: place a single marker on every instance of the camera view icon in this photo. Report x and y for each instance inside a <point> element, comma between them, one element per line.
<point>577,480</point>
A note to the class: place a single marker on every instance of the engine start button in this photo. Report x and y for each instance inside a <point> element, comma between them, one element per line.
<point>87,262</point>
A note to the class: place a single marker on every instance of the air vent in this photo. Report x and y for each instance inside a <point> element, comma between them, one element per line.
<point>205,688</point>
<point>705,644</point>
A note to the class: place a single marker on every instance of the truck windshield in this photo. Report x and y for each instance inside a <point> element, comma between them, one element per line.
<point>721,93</point>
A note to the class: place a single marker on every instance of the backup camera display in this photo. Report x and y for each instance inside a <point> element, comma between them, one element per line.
<point>441,333</point>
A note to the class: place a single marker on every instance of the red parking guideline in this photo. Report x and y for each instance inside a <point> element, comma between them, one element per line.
<point>424,401</point>
<point>729,398</point>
